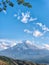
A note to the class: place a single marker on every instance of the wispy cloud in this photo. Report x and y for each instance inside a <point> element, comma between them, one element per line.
<point>4,12</point>
<point>44,27</point>
<point>32,19</point>
<point>33,45</point>
<point>37,33</point>
<point>15,15</point>
<point>29,42</point>
<point>27,31</point>
<point>25,17</point>
<point>46,46</point>
<point>5,44</point>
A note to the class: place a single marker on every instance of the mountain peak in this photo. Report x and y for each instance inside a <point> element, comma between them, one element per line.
<point>26,44</point>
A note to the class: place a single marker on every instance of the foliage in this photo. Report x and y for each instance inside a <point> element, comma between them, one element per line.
<point>4,3</point>
<point>9,61</point>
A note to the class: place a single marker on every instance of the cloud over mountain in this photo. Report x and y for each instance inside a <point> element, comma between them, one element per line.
<point>26,50</point>
<point>5,44</point>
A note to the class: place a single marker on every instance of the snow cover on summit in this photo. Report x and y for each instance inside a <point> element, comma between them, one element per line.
<point>5,44</point>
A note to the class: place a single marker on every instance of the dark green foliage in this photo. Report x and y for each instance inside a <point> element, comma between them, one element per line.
<point>27,4</point>
<point>11,4</point>
<point>7,1</point>
<point>4,8</point>
<point>0,9</point>
<point>10,61</point>
<point>20,1</point>
<point>3,4</point>
<point>24,3</point>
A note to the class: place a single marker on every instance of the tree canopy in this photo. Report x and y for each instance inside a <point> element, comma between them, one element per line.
<point>3,4</point>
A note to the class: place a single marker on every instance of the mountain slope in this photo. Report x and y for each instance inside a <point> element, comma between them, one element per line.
<point>27,51</point>
<point>9,61</point>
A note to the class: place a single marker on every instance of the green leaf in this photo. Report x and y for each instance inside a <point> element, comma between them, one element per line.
<point>0,9</point>
<point>4,4</point>
<point>7,1</point>
<point>27,4</point>
<point>4,8</point>
<point>11,4</point>
<point>20,1</point>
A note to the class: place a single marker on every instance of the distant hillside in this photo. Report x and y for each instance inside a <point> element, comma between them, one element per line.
<point>8,61</point>
<point>26,51</point>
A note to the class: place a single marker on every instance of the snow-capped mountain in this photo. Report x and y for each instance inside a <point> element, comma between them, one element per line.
<point>5,44</point>
<point>24,50</point>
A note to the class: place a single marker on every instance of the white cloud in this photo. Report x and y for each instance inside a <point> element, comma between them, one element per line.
<point>33,45</point>
<point>18,17</point>
<point>2,46</point>
<point>46,46</point>
<point>4,12</point>
<point>32,19</point>
<point>44,28</point>
<point>28,42</point>
<point>27,31</point>
<point>24,17</point>
<point>27,18</point>
<point>15,15</point>
<point>37,33</point>
<point>40,24</point>
<point>5,44</point>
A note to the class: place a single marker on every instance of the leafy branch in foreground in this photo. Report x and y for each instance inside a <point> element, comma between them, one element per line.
<point>4,3</point>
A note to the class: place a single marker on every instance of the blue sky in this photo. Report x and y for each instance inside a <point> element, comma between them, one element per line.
<point>22,23</point>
